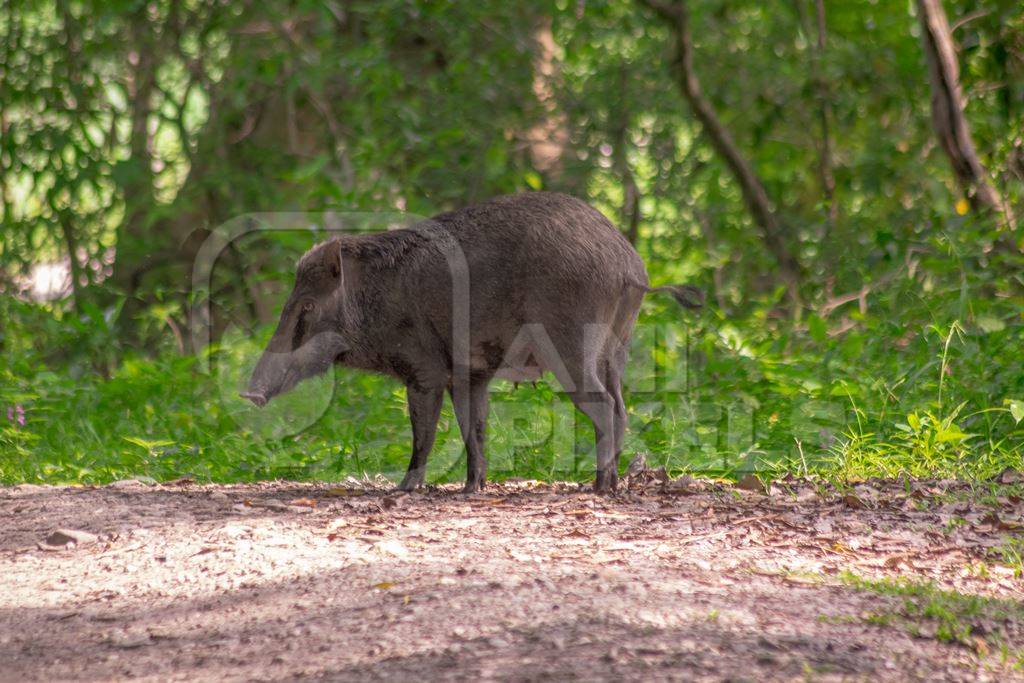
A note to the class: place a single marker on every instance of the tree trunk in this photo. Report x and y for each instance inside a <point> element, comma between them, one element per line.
<point>824,96</point>
<point>828,179</point>
<point>134,250</point>
<point>630,205</point>
<point>754,194</point>
<point>549,138</point>
<point>630,212</point>
<point>948,112</point>
<point>74,267</point>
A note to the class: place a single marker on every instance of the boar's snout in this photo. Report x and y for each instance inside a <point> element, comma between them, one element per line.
<point>271,376</point>
<point>276,373</point>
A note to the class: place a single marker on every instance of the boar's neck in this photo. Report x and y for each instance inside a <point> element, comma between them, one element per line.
<point>386,303</point>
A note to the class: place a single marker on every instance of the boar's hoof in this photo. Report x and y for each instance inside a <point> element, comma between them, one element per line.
<point>411,481</point>
<point>259,399</point>
<point>606,481</point>
<point>474,486</point>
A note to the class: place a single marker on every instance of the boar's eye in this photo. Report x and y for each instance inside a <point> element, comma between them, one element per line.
<point>307,307</point>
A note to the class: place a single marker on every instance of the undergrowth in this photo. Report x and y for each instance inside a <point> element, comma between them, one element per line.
<point>706,394</point>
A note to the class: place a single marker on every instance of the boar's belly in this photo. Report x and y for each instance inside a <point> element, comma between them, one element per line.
<point>522,362</point>
<point>530,373</point>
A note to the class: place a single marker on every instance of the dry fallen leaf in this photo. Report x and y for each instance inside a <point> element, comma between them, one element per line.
<point>1000,524</point>
<point>388,502</point>
<point>268,505</point>
<point>70,538</point>
<point>854,501</point>
<point>393,548</point>
<point>623,547</point>
<point>842,548</point>
<point>636,466</point>
<point>749,482</point>
<point>303,502</point>
<point>520,557</point>
<point>343,492</point>
<point>383,586</point>
<point>1011,476</point>
<point>802,580</point>
<point>894,561</point>
<point>611,515</point>
<point>682,484</point>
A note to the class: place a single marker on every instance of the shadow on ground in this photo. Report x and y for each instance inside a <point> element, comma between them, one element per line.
<point>287,581</point>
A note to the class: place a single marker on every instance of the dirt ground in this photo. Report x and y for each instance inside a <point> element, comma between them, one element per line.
<point>678,580</point>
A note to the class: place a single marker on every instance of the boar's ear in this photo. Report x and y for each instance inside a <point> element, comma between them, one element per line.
<point>332,260</point>
<point>341,266</point>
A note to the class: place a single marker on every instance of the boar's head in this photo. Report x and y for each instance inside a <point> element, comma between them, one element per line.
<point>310,335</point>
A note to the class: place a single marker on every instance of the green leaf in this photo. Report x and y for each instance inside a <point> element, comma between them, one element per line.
<point>1016,409</point>
<point>816,326</point>
<point>148,445</point>
<point>310,169</point>
<point>990,323</point>
<point>952,433</point>
<point>533,179</point>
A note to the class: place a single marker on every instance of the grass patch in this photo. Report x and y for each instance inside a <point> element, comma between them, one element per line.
<point>1011,554</point>
<point>985,625</point>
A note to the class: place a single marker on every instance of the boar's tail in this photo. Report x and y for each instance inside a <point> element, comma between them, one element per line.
<point>686,296</point>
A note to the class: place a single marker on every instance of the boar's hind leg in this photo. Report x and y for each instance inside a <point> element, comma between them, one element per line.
<point>470,403</point>
<point>599,404</point>
<point>424,411</point>
<point>613,383</point>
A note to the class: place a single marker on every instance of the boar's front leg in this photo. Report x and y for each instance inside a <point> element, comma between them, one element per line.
<point>470,403</point>
<point>424,411</point>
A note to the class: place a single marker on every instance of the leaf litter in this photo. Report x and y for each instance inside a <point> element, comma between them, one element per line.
<point>667,579</point>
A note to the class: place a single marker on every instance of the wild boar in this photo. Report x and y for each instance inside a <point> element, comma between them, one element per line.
<point>511,288</point>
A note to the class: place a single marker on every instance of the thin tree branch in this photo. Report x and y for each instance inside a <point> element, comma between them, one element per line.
<point>967,18</point>
<point>754,194</point>
<point>948,117</point>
